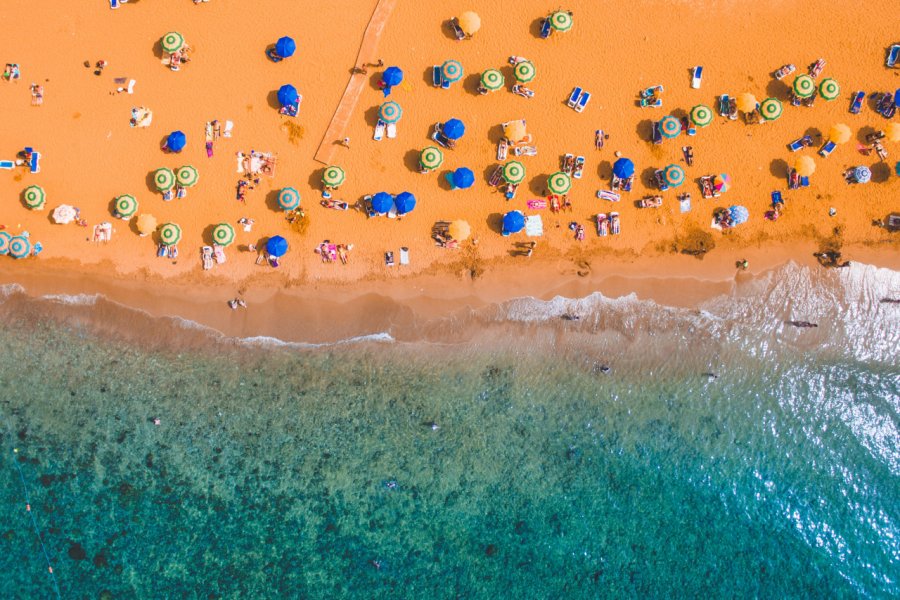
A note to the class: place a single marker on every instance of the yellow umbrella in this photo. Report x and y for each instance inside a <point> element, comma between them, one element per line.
<point>805,166</point>
<point>514,131</point>
<point>469,22</point>
<point>893,132</point>
<point>146,224</point>
<point>839,134</point>
<point>746,102</point>
<point>459,230</point>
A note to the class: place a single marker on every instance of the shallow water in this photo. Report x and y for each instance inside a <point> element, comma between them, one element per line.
<point>281,472</point>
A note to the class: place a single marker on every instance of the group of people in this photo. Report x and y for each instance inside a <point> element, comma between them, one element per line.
<point>332,252</point>
<point>11,72</point>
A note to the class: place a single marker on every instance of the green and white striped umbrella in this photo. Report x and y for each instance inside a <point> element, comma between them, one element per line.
<point>35,197</point>
<point>514,172</point>
<point>492,80</point>
<point>390,112</point>
<point>701,115</point>
<point>333,176</point>
<point>829,89</point>
<point>164,179</point>
<point>770,109</point>
<point>186,176</point>
<point>289,198</point>
<point>561,21</point>
<point>559,183</point>
<point>19,247</point>
<point>670,126</point>
<point>674,175</point>
<point>431,157</point>
<point>170,234</point>
<point>4,243</point>
<point>223,234</point>
<point>804,86</point>
<point>172,42</point>
<point>525,71</point>
<point>126,205</point>
<point>451,70</point>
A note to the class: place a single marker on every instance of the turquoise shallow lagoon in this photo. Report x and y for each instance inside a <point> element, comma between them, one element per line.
<point>479,470</point>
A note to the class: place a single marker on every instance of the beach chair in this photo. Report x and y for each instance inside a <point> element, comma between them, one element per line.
<point>521,90</point>
<point>502,149</point>
<point>827,149</point>
<point>602,225</point>
<point>723,105</point>
<point>404,256</point>
<point>656,135</point>
<point>660,177</point>
<point>684,203</point>
<point>857,102</point>
<point>568,163</point>
<point>784,71</point>
<point>578,171</point>
<point>496,176</point>
<point>652,91</point>
<point>650,201</point>
<point>525,151</point>
<point>389,259</point>
<point>696,77</point>
<point>582,101</point>
<point>609,195</point>
<point>511,189</point>
<point>614,225</point>
<point>627,183</point>
<point>573,97</point>
<point>219,253</point>
<point>815,69</point>
<point>457,30</point>
<point>893,56</point>
<point>776,198</point>
<point>7,165</point>
<point>436,78</point>
<point>206,257</point>
<point>546,29</point>
<point>651,102</point>
<point>380,126</point>
<point>392,131</point>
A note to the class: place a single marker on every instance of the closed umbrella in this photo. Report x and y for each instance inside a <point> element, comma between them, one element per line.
<point>431,158</point>
<point>459,230</point>
<point>514,172</point>
<point>674,175</point>
<point>771,109</point>
<point>623,168</point>
<point>19,247</point>
<point>176,141</point>
<point>64,214</point>
<point>4,243</point>
<point>829,89</point>
<point>804,86</point>
<point>701,115</point>
<point>223,234</point>
<point>670,126</point>
<point>333,176</point>
<point>840,133</point>
<point>170,234</point>
<point>514,131</point>
<point>187,176</point>
<point>126,206</point>
<point>454,129</point>
<point>561,20</point>
<point>276,246</point>
<point>492,80</point>
<point>35,197</point>
<point>559,183</point>
<point>382,202</point>
<point>164,179</point>
<point>172,42</point>
<point>739,214</point>
<point>146,224</point>
<point>513,222</point>
<point>451,70</point>
<point>289,198</point>
<point>288,95</point>
<point>862,174</point>
<point>469,22</point>
<point>722,183</point>
<point>525,71</point>
<point>892,131</point>
<point>463,178</point>
<point>746,102</point>
<point>805,166</point>
<point>405,203</point>
<point>392,76</point>
<point>285,47</point>
<point>390,112</point>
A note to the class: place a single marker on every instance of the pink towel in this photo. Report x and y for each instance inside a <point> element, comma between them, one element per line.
<point>209,149</point>
<point>537,204</point>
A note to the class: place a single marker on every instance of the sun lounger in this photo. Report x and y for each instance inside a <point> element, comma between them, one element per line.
<point>525,151</point>
<point>445,83</point>
<point>656,135</point>
<point>651,102</point>
<point>800,143</point>
<point>114,3</point>
<point>650,201</point>
<point>436,78</point>
<point>568,163</point>
<point>457,30</point>
<point>229,126</point>
<point>534,226</point>
<point>511,189</point>
<point>389,259</point>
<point>404,255</point>
<point>857,102</point>
<point>614,225</point>
<point>579,167</point>
<point>219,253</point>
<point>582,101</point>
<point>776,198</point>
<point>815,69</point>
<point>808,102</point>
<point>602,224</point>
<point>652,91</point>
<point>496,177</point>
<point>546,29</point>
<point>723,105</point>
<point>7,164</point>
<point>893,56</point>
<point>784,71</point>
<point>160,248</point>
<point>684,203</point>
<point>804,181</point>
<point>380,127</point>
<point>696,77</point>
<point>37,95</point>
<point>660,178</point>
<point>608,195</point>
<point>573,98</point>
<point>793,179</point>
<point>502,149</point>
<point>206,257</point>
<point>827,149</point>
<point>521,90</point>
<point>392,131</point>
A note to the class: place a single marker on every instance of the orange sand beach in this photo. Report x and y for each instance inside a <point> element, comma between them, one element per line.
<point>90,154</point>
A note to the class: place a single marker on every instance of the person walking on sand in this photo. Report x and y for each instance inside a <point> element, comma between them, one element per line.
<point>345,142</point>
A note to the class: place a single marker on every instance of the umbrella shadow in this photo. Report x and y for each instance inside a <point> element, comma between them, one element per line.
<point>371,116</point>
<point>447,30</point>
<point>411,160</point>
<point>872,100</point>
<point>207,235</point>
<point>495,134</point>
<point>375,79</point>
<point>538,185</point>
<point>488,171</point>
<point>470,84</point>
<point>112,207</point>
<point>444,180</point>
<point>648,177</point>
<point>509,75</point>
<point>604,169</point>
<point>132,225</point>
<point>272,100</point>
<point>863,132</point>
<point>679,113</point>
<point>494,222</point>
<point>778,168</point>
<point>778,89</point>
<point>315,179</point>
<point>534,28</point>
<point>272,200</point>
<point>157,49</point>
<point>150,180</point>
<point>813,132</point>
<point>428,75</point>
<point>644,130</point>
<point>881,172</point>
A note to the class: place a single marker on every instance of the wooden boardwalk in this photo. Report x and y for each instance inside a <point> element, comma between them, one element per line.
<point>367,53</point>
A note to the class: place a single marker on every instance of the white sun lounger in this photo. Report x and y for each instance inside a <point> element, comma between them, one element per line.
<point>392,131</point>
<point>534,226</point>
<point>404,255</point>
<point>379,130</point>
<point>228,127</point>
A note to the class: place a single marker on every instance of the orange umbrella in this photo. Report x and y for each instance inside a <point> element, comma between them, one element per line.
<point>839,134</point>
<point>746,102</point>
<point>146,224</point>
<point>805,166</point>
<point>893,132</point>
<point>469,22</point>
<point>459,230</point>
<point>514,131</point>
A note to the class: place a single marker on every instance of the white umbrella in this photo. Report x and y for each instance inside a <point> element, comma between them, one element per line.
<point>64,213</point>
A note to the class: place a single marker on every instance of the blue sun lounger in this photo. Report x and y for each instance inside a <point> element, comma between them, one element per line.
<point>7,164</point>
<point>804,181</point>
<point>582,101</point>
<point>857,103</point>
<point>893,56</point>
<point>656,134</point>
<point>545,29</point>
<point>827,149</point>
<point>800,143</point>
<point>776,198</point>
<point>436,78</point>
<point>573,99</point>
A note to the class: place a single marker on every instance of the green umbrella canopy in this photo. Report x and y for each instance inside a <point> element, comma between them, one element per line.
<point>164,179</point>
<point>333,176</point>
<point>770,109</point>
<point>186,176</point>
<point>514,172</point>
<point>35,197</point>
<point>288,198</point>
<point>701,115</point>
<point>126,205</point>
<point>829,89</point>
<point>223,234</point>
<point>804,86</point>
<point>559,183</point>
<point>525,71</point>
<point>170,234</point>
<point>431,157</point>
<point>172,42</point>
<point>492,80</point>
<point>561,20</point>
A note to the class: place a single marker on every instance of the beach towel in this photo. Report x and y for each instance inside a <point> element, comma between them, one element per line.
<point>684,204</point>
<point>534,226</point>
<point>537,204</point>
<point>228,127</point>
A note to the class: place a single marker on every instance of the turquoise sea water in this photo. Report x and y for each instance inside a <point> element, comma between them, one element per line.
<point>509,468</point>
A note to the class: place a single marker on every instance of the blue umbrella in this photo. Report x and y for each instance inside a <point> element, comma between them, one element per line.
<point>277,246</point>
<point>513,222</point>
<point>454,129</point>
<point>285,47</point>
<point>463,178</point>
<point>392,76</point>
<point>623,168</point>
<point>382,202</point>
<point>287,95</point>
<point>176,141</point>
<point>404,202</point>
<point>739,214</point>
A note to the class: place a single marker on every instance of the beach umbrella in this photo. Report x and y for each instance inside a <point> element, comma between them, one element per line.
<point>126,206</point>
<point>172,42</point>
<point>146,224</point>
<point>390,112</point>
<point>829,89</point>
<point>431,158</point>
<point>559,183</point>
<point>840,133</point>
<point>892,131</point>
<point>19,247</point>
<point>186,176</point>
<point>405,202</point>
<point>459,230</point>
<point>176,141</point>
<point>451,70</point>
<point>514,130</point>
<point>804,86</point>
<point>392,76</point>
<point>670,126</point>
<point>739,214</point>
<point>513,222</point>
<point>525,71</point>
<point>276,246</point>
<point>4,243</point>
<point>463,178</point>
<point>492,80</point>
<point>623,168</point>
<point>722,182</point>
<point>35,197</point>
<point>454,129</point>
<point>746,102</point>
<point>333,176</point>
<point>514,172</point>
<point>561,21</point>
<point>289,198</point>
<point>164,179</point>
<point>382,202</point>
<point>288,95</point>
<point>805,166</point>
<point>285,47</point>
<point>223,234</point>
<point>701,115</point>
<point>862,174</point>
<point>469,22</point>
<point>674,175</point>
<point>771,109</point>
<point>170,234</point>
